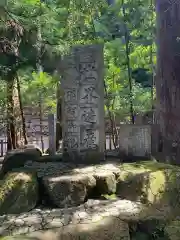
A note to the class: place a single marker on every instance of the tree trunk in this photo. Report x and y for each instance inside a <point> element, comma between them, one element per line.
<point>14,120</point>
<point>168,78</point>
<point>21,111</point>
<point>11,137</point>
<point>127,38</point>
<point>58,123</point>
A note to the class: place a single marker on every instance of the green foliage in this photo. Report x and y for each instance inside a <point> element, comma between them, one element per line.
<point>63,23</point>
<point>39,87</point>
<point>138,22</point>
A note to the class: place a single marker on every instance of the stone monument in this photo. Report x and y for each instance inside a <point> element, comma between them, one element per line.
<point>135,140</point>
<point>82,85</point>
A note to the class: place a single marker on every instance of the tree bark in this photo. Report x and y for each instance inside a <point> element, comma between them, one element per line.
<point>14,120</point>
<point>11,137</point>
<point>168,78</point>
<point>21,111</point>
<point>59,117</point>
<point>127,37</point>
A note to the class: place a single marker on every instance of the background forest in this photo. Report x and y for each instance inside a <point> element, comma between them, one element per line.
<point>35,34</point>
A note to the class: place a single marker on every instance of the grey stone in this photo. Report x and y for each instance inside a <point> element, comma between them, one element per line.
<point>96,219</point>
<point>33,149</point>
<point>18,157</point>
<point>76,223</point>
<point>105,182</point>
<point>83,104</point>
<point>68,190</point>
<point>135,140</point>
<point>48,168</point>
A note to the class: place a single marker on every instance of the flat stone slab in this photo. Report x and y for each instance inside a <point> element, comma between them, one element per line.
<point>50,168</point>
<point>94,211</point>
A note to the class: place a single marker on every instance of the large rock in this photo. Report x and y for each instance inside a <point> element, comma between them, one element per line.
<point>18,192</point>
<point>105,182</point>
<point>100,228</point>
<point>68,190</point>
<point>33,149</point>
<point>93,220</point>
<point>150,183</point>
<point>17,158</point>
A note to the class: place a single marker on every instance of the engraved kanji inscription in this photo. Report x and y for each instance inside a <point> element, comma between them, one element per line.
<point>89,139</point>
<point>71,111</point>
<point>83,99</point>
<point>88,115</point>
<point>70,142</point>
<point>88,94</point>
<point>70,94</point>
<point>72,126</point>
<point>87,66</point>
<point>88,72</point>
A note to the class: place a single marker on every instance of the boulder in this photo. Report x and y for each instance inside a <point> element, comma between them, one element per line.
<point>16,159</point>
<point>33,149</point>
<point>66,224</point>
<point>150,183</point>
<point>68,190</point>
<point>99,228</point>
<point>95,219</point>
<point>18,192</point>
<point>105,182</point>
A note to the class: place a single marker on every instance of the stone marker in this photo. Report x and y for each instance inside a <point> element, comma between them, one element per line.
<point>83,103</point>
<point>135,140</point>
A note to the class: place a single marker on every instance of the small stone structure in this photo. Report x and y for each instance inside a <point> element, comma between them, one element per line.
<point>83,102</point>
<point>135,140</point>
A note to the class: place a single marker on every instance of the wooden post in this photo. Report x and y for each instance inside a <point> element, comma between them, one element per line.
<point>52,134</point>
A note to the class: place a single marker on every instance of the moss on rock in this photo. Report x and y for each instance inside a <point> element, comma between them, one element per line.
<point>151,183</point>
<point>18,192</point>
<point>173,230</point>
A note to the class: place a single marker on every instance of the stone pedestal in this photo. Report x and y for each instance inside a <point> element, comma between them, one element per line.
<point>83,103</point>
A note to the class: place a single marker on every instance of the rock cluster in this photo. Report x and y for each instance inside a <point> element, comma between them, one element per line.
<point>145,191</point>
